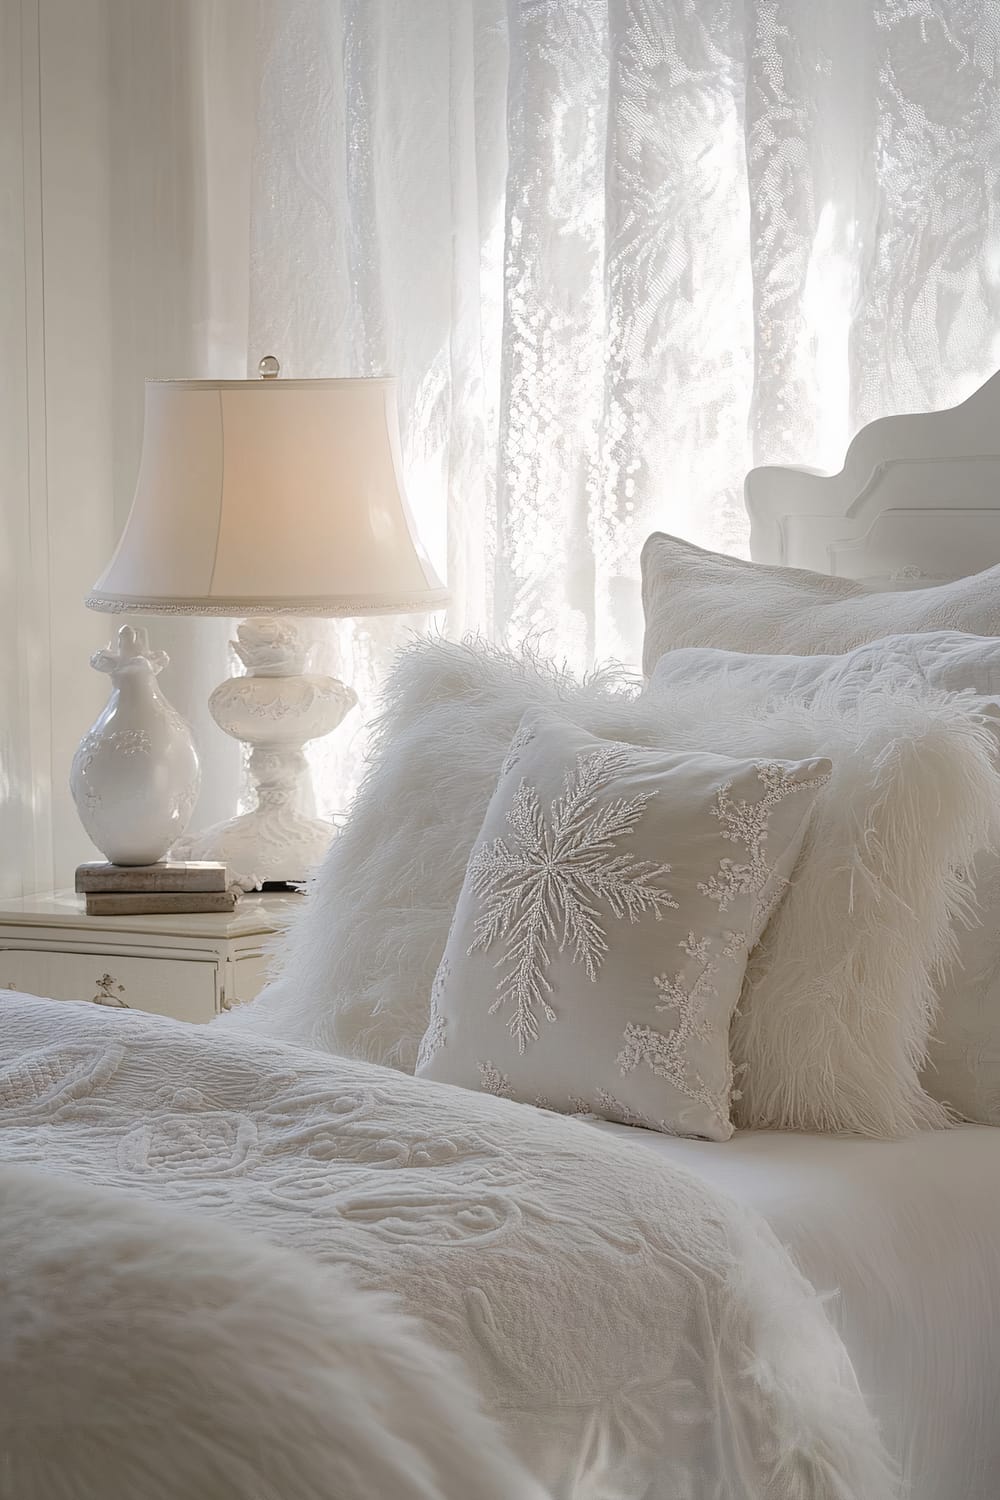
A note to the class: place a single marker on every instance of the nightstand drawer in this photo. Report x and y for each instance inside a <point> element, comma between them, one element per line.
<point>182,988</point>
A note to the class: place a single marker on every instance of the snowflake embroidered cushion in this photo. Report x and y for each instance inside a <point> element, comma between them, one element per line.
<point>602,931</point>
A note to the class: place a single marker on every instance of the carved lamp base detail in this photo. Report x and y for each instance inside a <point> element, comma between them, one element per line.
<point>276,708</point>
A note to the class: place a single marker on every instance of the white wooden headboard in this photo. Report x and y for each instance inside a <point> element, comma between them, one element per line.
<point>917,501</point>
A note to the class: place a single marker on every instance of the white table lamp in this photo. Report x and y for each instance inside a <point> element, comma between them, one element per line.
<point>271,499</point>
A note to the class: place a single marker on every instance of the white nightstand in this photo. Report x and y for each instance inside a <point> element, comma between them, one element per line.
<point>189,967</point>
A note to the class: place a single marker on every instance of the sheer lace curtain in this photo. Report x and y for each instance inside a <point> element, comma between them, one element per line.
<point>618,251</point>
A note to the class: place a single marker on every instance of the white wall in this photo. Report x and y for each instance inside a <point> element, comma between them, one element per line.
<point>56,433</point>
<point>125,141</point>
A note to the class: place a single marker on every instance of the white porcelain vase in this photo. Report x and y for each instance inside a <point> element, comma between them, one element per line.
<point>135,774</point>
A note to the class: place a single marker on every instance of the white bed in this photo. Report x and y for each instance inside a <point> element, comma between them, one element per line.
<point>906,1236</point>
<point>642,1338</point>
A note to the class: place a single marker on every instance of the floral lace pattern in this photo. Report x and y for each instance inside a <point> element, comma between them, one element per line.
<point>433,1038</point>
<point>744,821</point>
<point>687,1002</point>
<point>493,1081</point>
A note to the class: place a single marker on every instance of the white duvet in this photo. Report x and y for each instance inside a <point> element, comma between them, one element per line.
<point>641,1336</point>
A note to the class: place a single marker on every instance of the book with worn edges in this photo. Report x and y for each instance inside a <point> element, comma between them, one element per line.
<point>166,875</point>
<point>152,903</point>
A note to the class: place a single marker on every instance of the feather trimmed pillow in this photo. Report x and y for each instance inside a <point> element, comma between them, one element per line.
<point>836,1016</point>
<point>602,930</point>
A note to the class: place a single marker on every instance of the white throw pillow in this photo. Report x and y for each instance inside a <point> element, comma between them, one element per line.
<point>963,1067</point>
<point>601,935</point>
<point>697,598</point>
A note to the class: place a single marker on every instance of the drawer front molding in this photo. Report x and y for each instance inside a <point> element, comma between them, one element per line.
<point>183,988</point>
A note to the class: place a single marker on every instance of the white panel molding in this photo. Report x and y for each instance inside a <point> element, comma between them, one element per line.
<point>26,861</point>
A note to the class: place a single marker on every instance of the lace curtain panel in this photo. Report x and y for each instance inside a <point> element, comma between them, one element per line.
<point>618,253</point>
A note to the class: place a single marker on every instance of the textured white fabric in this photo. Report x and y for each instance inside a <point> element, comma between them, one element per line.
<point>964,1058</point>
<point>697,598</point>
<point>638,1336</point>
<point>601,935</point>
<point>149,1354</point>
<point>833,1026</point>
<point>906,1236</point>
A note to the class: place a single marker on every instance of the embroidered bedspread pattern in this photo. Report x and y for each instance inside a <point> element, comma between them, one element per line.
<point>606,1303</point>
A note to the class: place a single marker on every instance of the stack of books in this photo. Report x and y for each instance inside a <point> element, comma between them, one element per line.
<point>141,890</point>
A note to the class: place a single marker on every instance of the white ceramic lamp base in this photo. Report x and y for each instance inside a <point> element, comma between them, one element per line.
<point>276,709</point>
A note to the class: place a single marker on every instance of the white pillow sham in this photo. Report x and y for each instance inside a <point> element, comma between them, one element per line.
<point>963,1066</point>
<point>601,935</point>
<point>696,598</point>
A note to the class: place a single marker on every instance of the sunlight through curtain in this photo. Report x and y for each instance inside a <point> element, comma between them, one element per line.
<point>618,253</point>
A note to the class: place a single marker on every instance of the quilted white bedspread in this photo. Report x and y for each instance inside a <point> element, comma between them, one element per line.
<point>639,1335</point>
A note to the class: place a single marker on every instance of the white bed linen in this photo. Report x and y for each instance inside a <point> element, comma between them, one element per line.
<point>641,1337</point>
<point>907,1234</point>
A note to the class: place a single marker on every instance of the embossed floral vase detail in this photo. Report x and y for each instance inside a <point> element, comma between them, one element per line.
<point>135,774</point>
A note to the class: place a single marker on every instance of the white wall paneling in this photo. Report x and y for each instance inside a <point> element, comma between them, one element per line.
<point>125,142</point>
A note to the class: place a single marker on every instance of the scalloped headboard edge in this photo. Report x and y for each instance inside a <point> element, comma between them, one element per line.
<point>917,501</point>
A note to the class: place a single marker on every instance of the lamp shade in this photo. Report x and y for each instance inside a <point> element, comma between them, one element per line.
<point>263,496</point>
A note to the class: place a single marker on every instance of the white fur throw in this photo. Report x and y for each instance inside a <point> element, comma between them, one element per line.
<point>150,1354</point>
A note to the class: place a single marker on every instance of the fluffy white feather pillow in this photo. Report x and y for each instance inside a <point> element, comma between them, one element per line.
<point>836,1013</point>
<point>963,1067</point>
